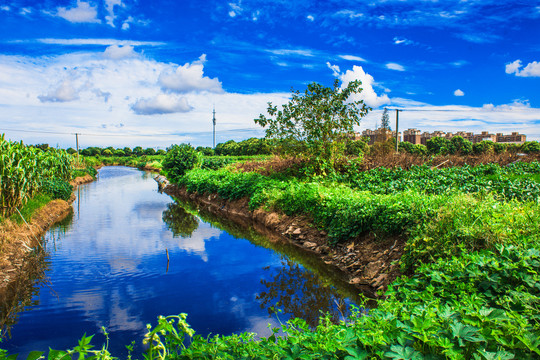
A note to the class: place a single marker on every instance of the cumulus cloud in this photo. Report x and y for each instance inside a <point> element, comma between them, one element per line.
<point>64,92</point>
<point>531,70</point>
<point>161,104</point>
<point>115,52</point>
<point>369,95</point>
<point>459,92</point>
<point>394,66</point>
<point>310,18</point>
<point>82,13</point>
<point>189,77</point>
<point>352,58</point>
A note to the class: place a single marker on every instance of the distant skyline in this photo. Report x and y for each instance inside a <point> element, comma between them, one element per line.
<point>148,73</point>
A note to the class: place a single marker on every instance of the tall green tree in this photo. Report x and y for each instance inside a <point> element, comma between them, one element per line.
<point>385,120</point>
<point>316,121</point>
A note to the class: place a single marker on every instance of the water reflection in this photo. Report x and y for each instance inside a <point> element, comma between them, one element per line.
<point>179,221</point>
<point>306,291</point>
<point>20,293</point>
<point>110,269</point>
<point>296,291</point>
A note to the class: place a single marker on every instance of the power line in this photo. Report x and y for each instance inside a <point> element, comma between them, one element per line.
<point>128,135</point>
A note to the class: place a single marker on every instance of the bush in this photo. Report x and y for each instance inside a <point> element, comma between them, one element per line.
<point>355,147</point>
<point>56,188</point>
<point>179,160</point>
<point>483,147</point>
<point>461,146</point>
<point>530,147</point>
<point>439,145</point>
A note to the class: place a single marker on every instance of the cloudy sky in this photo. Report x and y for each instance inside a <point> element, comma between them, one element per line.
<point>148,72</point>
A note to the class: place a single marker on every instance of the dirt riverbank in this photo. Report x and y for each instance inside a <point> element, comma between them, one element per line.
<point>370,263</point>
<point>18,240</point>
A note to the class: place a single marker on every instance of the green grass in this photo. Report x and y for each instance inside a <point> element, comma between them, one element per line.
<point>30,208</point>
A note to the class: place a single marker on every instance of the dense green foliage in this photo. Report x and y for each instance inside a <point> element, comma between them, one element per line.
<point>56,188</point>
<point>22,170</point>
<point>316,122</point>
<point>180,159</point>
<point>515,181</point>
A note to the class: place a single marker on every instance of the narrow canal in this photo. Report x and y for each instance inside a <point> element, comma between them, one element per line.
<point>106,266</point>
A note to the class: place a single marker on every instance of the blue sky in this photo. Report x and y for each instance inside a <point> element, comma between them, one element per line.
<point>134,72</point>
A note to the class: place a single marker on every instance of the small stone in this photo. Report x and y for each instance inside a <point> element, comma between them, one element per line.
<point>378,281</point>
<point>372,269</point>
<point>309,244</point>
<point>297,231</point>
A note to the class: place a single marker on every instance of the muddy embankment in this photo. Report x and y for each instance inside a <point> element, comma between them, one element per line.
<point>19,240</point>
<point>370,263</point>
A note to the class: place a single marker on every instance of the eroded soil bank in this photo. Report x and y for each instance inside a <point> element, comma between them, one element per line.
<point>18,240</point>
<point>370,263</point>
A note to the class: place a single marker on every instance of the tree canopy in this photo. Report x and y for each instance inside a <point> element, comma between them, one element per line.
<point>316,122</point>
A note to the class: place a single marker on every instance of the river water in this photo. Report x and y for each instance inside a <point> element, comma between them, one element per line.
<point>106,266</point>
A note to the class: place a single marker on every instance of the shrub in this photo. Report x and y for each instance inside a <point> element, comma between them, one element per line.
<point>483,147</point>
<point>56,188</point>
<point>439,145</point>
<point>531,147</point>
<point>179,160</point>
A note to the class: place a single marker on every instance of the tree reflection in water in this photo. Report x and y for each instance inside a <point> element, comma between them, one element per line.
<point>179,221</point>
<point>299,292</point>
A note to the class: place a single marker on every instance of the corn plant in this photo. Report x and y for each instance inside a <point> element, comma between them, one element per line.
<point>22,170</point>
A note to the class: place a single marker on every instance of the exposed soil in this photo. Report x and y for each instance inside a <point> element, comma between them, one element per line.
<point>18,240</point>
<point>370,263</point>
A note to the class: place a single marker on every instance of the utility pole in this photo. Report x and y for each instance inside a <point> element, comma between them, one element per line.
<point>214,122</point>
<point>397,128</point>
<point>77,142</point>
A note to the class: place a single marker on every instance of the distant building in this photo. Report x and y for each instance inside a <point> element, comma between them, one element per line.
<point>415,136</point>
<point>512,138</point>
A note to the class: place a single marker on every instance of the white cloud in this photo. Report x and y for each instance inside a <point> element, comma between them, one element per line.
<point>93,80</point>
<point>349,14</point>
<point>116,52</point>
<point>161,104</point>
<point>368,94</point>
<point>25,11</point>
<point>403,41</point>
<point>64,92</point>
<point>108,42</point>
<point>232,14</point>
<point>82,13</point>
<point>310,18</point>
<point>394,66</point>
<point>352,58</point>
<point>189,77</point>
<point>5,8</point>
<point>459,92</point>
<point>109,5</point>
<point>531,70</point>
<point>335,69</point>
<point>292,52</point>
